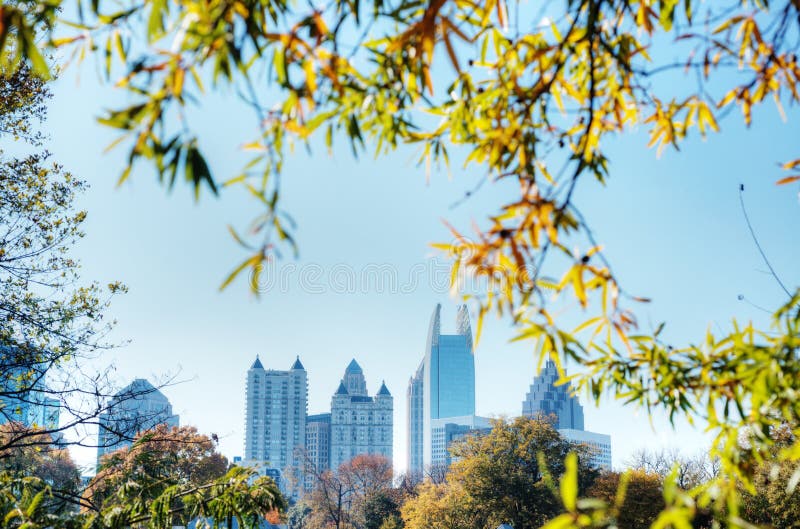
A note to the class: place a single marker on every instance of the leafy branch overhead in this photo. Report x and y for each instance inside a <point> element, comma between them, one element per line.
<point>526,92</point>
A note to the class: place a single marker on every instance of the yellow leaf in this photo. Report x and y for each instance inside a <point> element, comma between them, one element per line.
<point>788,180</point>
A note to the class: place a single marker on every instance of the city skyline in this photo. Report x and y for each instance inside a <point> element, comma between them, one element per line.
<point>278,420</point>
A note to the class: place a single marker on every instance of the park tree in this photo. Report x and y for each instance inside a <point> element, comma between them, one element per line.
<point>159,458</point>
<point>527,95</point>
<point>505,472</point>
<point>50,322</point>
<point>638,503</point>
<point>349,497</point>
<point>441,506</point>
<point>41,459</point>
<point>774,500</point>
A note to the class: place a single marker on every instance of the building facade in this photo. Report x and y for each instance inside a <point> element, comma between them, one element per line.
<point>414,401</point>
<point>444,432</point>
<point>275,417</point>
<point>138,407</point>
<point>318,443</point>
<point>360,424</point>
<point>545,399</point>
<point>598,443</point>
<point>442,387</point>
<point>24,395</point>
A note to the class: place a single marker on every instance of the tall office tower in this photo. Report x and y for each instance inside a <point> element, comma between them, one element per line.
<point>415,419</point>
<point>443,386</point>
<point>545,398</point>
<point>318,441</point>
<point>275,417</point>
<point>318,445</point>
<point>360,424</point>
<point>24,395</point>
<point>138,407</point>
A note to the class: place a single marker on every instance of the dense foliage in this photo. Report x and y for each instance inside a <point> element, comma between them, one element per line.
<point>504,476</point>
<point>527,95</point>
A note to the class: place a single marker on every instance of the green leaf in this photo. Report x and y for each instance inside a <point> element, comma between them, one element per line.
<point>569,483</point>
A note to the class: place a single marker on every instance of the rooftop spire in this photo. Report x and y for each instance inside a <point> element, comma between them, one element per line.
<point>462,323</point>
<point>257,364</point>
<point>298,364</point>
<point>435,328</point>
<point>342,390</point>
<point>353,367</point>
<point>384,390</point>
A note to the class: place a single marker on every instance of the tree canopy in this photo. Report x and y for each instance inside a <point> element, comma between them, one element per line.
<point>503,476</point>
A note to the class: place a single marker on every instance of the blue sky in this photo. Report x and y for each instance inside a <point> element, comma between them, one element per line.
<point>672,227</point>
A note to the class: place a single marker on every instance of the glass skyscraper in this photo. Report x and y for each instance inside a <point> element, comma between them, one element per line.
<point>546,399</point>
<point>443,385</point>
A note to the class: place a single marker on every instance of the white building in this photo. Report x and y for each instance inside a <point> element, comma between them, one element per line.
<point>275,416</point>
<point>136,408</point>
<point>599,443</point>
<point>446,431</point>
<point>360,424</point>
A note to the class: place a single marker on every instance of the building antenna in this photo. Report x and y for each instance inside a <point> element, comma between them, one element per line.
<point>758,245</point>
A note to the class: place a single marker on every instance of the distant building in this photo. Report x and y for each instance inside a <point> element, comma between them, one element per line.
<point>318,446</point>
<point>447,431</point>
<point>360,424</point>
<point>275,418</point>
<point>443,385</point>
<point>598,443</point>
<point>415,406</point>
<point>545,398</point>
<point>136,408</point>
<point>24,395</point>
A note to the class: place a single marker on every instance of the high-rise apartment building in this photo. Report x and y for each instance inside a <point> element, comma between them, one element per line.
<point>443,385</point>
<point>360,424</point>
<point>545,399</point>
<point>275,416</point>
<point>138,407</point>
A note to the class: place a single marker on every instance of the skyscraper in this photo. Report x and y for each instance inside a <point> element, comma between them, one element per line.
<point>443,385</point>
<point>546,398</point>
<point>275,416</point>
<point>138,407</point>
<point>360,424</point>
<point>24,395</point>
<point>415,418</point>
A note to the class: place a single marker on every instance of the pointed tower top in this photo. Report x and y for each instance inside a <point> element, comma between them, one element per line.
<point>257,364</point>
<point>384,390</point>
<point>342,390</point>
<point>353,367</point>
<point>435,328</point>
<point>298,364</point>
<point>462,323</point>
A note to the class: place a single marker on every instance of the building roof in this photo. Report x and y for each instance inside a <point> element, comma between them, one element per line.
<point>298,364</point>
<point>257,364</point>
<point>353,367</point>
<point>342,389</point>
<point>384,390</point>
